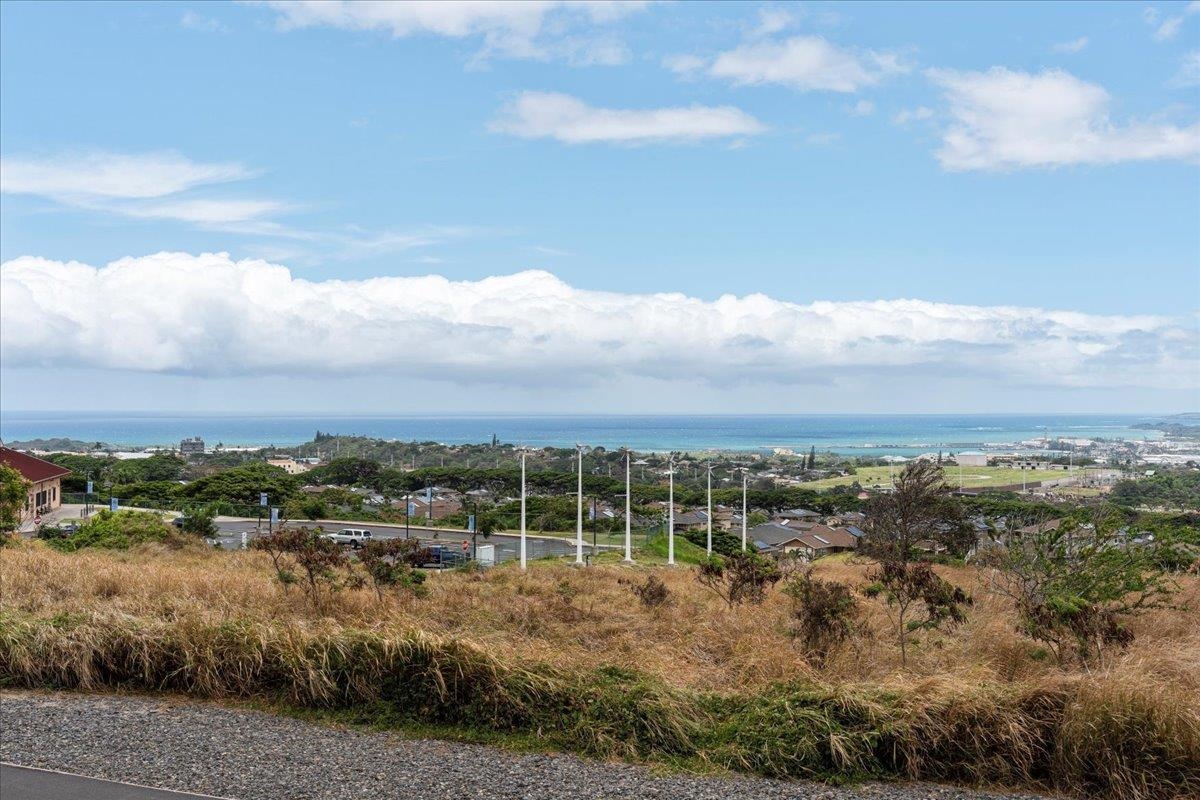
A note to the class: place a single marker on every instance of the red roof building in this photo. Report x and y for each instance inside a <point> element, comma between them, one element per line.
<point>45,481</point>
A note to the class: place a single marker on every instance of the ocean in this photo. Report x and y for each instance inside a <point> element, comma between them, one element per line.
<point>850,434</point>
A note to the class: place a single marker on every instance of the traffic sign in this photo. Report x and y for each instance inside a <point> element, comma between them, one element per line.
<point>38,521</point>
<point>466,545</point>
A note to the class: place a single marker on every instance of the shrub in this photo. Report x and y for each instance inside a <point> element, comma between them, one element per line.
<point>300,550</point>
<point>391,564</point>
<point>723,543</point>
<point>739,578</point>
<point>906,587</point>
<point>1076,585</point>
<point>117,530</point>
<point>824,613</point>
<point>653,593</point>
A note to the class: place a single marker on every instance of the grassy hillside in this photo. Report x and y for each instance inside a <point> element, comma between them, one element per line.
<point>573,659</point>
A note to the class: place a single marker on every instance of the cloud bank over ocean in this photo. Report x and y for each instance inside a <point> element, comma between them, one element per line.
<point>210,315</point>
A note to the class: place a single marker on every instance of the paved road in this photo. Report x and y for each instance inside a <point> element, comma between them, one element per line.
<point>27,783</point>
<point>507,545</point>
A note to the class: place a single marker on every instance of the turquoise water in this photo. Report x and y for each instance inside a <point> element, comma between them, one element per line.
<point>857,434</point>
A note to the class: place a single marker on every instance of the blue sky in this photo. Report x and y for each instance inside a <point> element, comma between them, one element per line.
<point>1025,175</point>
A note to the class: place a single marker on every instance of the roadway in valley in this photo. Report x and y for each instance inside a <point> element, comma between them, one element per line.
<point>507,544</point>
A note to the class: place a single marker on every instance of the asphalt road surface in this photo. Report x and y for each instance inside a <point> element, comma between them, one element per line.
<point>26,783</point>
<point>507,545</point>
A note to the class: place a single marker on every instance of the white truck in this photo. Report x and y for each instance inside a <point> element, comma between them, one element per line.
<point>354,537</point>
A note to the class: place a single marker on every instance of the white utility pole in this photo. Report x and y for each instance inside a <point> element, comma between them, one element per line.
<point>671,511</point>
<point>579,509</point>
<point>709,508</point>
<point>523,559</point>
<point>628,529</point>
<point>745,508</point>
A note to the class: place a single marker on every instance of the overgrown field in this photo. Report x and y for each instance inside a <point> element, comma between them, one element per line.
<point>574,658</point>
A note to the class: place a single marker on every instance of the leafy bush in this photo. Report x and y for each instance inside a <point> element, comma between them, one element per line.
<point>906,587</point>
<point>391,564</point>
<point>1075,585</point>
<point>117,530</point>
<point>723,542</point>
<point>653,593</point>
<point>740,577</point>
<point>824,613</point>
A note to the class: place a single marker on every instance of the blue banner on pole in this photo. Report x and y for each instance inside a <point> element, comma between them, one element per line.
<point>471,523</point>
<point>113,504</point>
<point>412,509</point>
<point>89,487</point>
<point>262,499</point>
<point>429,495</point>
<point>274,515</point>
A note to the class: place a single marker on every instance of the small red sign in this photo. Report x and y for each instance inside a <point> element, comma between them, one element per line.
<point>466,546</point>
<point>38,521</point>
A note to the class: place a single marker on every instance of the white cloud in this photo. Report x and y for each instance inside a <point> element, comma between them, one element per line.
<point>1189,71</point>
<point>684,64</point>
<point>907,115</point>
<point>112,175</point>
<point>863,108</point>
<point>511,28</point>
<point>209,315</point>
<point>805,63</point>
<point>1003,119</point>
<point>199,22</point>
<point>536,115</point>
<point>1170,26</point>
<point>1071,47</point>
<point>773,20</point>
<point>142,186</point>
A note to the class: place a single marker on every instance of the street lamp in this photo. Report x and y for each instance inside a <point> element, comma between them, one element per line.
<point>671,510</point>
<point>745,509</point>
<point>523,560</point>
<point>709,468</point>
<point>628,528</point>
<point>579,508</point>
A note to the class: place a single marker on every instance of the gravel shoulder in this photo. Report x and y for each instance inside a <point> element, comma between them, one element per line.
<point>249,755</point>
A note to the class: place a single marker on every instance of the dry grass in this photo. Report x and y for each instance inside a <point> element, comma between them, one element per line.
<point>536,651</point>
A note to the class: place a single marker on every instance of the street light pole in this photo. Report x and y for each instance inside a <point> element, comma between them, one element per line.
<point>709,509</point>
<point>671,510</point>
<point>523,560</point>
<point>628,522</point>
<point>745,506</point>
<point>579,508</point>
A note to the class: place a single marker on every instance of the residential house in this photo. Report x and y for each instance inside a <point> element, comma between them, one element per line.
<point>45,482</point>
<point>778,539</point>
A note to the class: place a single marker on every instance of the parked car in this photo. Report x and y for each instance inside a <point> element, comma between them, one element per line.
<point>354,537</point>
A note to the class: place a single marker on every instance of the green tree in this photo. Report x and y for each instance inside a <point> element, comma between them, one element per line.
<point>1077,584</point>
<point>920,508</point>
<point>823,612</point>
<point>199,521</point>
<point>242,485</point>
<point>14,491</point>
<point>908,588</point>
<point>739,577</point>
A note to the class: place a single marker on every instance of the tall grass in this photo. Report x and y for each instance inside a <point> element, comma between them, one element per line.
<point>215,626</point>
